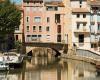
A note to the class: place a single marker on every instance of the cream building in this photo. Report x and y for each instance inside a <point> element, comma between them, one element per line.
<point>81,24</point>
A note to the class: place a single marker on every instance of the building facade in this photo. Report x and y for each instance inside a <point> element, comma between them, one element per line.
<point>81,24</point>
<point>95,24</point>
<point>73,22</point>
<point>44,21</point>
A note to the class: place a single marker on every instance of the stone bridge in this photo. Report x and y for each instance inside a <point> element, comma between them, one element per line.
<point>57,47</point>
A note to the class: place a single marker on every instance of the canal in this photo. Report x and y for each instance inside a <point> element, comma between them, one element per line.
<point>44,68</point>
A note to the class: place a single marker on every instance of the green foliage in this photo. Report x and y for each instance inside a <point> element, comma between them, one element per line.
<point>18,45</point>
<point>9,17</point>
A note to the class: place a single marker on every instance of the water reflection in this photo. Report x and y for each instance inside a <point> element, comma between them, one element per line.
<point>45,68</point>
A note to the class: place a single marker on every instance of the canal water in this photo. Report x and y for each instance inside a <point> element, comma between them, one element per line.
<point>44,68</point>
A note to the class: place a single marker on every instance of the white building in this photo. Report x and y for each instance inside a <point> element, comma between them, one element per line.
<point>95,24</point>
<point>81,24</point>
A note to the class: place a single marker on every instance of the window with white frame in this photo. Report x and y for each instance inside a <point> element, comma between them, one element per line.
<point>40,28</point>
<point>98,26</point>
<point>27,28</point>
<point>78,25</point>
<point>37,19</point>
<point>27,19</point>
<point>34,28</point>
<point>47,28</point>
<point>78,15</point>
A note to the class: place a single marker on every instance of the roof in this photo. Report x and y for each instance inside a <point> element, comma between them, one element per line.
<point>54,3</point>
<point>32,0</point>
<point>94,2</point>
<point>81,10</point>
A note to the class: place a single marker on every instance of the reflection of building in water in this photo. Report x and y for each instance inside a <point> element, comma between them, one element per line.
<point>44,69</point>
<point>82,70</point>
<point>61,70</point>
<point>32,75</point>
<point>86,72</point>
<point>36,61</point>
<point>6,76</point>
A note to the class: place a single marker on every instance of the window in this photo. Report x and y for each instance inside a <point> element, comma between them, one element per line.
<point>27,2</point>
<point>93,45</point>
<point>80,6</point>
<point>80,1</point>
<point>84,24</point>
<point>28,39</point>
<point>84,15</point>
<point>51,8</point>
<point>27,28</point>
<point>34,37</point>
<point>78,15</point>
<point>27,18</point>
<point>28,35</point>
<point>78,25</point>
<point>47,28</point>
<point>98,26</point>
<point>37,19</point>
<point>16,37</point>
<point>40,28</point>
<point>39,36</point>
<point>55,8</point>
<point>81,38</point>
<point>58,38</point>
<point>48,19</point>
<point>34,28</point>
<point>59,28</point>
<point>57,18</point>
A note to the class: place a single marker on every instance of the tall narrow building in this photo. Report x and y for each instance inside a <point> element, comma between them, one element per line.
<point>95,24</point>
<point>81,24</point>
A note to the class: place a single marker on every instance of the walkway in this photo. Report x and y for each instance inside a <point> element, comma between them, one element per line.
<point>83,55</point>
<point>87,53</point>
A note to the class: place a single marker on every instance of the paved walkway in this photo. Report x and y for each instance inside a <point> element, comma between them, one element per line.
<point>88,53</point>
<point>83,55</point>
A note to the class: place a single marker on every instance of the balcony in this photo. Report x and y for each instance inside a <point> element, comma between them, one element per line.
<point>33,40</point>
<point>82,30</point>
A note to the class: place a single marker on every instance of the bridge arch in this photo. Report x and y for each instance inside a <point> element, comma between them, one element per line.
<point>57,47</point>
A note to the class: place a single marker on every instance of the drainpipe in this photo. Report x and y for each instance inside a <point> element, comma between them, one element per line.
<point>23,36</point>
<point>90,26</point>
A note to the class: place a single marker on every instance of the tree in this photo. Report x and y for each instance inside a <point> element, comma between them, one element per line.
<point>18,46</point>
<point>10,17</point>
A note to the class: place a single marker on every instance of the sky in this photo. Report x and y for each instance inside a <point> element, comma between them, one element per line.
<point>16,1</point>
<point>19,1</point>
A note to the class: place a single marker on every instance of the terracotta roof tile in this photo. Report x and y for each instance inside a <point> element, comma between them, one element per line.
<point>55,3</point>
<point>94,2</point>
<point>81,10</point>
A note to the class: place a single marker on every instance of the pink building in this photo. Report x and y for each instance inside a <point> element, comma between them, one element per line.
<point>44,21</point>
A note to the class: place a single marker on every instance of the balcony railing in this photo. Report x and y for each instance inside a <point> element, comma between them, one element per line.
<point>82,30</point>
<point>33,40</point>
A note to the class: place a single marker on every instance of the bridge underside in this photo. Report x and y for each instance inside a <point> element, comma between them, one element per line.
<point>55,46</point>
